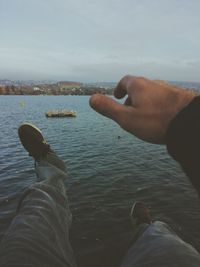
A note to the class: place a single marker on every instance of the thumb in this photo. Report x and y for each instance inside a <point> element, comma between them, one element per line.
<point>110,108</point>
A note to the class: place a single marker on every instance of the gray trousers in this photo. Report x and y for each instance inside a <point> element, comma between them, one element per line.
<point>157,245</point>
<point>39,233</point>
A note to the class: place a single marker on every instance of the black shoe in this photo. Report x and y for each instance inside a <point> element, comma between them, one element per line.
<point>33,141</point>
<point>140,214</point>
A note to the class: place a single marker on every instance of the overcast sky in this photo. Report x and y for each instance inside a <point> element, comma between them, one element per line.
<point>99,40</point>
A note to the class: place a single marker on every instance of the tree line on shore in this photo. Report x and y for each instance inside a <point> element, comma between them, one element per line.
<point>53,89</point>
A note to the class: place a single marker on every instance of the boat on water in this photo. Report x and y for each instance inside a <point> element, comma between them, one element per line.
<point>60,113</point>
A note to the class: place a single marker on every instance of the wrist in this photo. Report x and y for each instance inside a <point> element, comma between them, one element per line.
<point>184,129</point>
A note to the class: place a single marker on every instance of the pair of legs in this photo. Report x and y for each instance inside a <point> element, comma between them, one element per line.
<point>39,233</point>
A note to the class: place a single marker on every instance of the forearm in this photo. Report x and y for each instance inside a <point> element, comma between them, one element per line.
<point>183,140</point>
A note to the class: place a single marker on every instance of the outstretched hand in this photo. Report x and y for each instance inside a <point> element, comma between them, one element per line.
<point>148,108</point>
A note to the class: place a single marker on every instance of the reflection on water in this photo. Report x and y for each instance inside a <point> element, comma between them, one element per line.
<point>106,175</point>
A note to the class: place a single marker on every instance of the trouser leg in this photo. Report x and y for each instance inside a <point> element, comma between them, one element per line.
<point>158,245</point>
<point>39,233</point>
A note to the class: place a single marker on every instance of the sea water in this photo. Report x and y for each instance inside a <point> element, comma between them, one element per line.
<point>108,170</point>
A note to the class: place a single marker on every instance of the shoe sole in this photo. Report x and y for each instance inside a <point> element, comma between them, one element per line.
<point>31,126</point>
<point>31,138</point>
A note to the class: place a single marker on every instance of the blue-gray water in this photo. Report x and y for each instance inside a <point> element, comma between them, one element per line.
<point>106,175</point>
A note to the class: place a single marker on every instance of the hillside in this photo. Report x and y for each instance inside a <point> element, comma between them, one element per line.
<point>59,88</point>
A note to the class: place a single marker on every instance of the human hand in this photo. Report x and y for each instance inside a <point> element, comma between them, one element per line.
<point>148,109</point>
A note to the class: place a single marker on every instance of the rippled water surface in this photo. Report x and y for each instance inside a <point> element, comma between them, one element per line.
<point>106,175</point>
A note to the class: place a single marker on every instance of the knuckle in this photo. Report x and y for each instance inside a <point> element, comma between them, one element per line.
<point>138,82</point>
<point>126,79</point>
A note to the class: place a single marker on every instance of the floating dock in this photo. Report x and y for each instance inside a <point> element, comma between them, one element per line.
<point>60,113</point>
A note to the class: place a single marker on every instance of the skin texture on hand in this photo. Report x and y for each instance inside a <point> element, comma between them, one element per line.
<point>148,109</point>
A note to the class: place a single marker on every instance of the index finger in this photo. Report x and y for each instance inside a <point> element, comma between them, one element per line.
<point>127,85</point>
<point>121,88</point>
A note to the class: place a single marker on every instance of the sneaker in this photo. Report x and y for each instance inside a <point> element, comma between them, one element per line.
<point>33,141</point>
<point>140,214</point>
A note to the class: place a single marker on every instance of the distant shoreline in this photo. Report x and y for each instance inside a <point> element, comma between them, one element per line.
<point>61,88</point>
<point>8,87</point>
